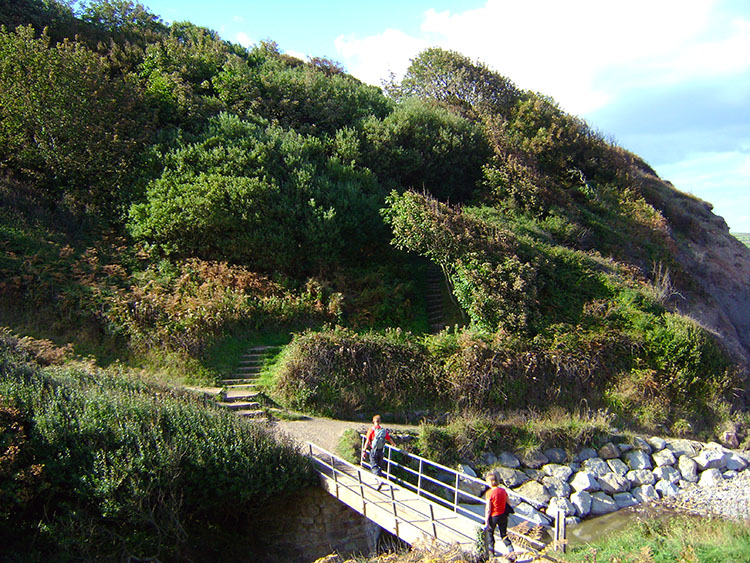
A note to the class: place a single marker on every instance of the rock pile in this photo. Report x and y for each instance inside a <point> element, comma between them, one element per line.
<point>615,476</point>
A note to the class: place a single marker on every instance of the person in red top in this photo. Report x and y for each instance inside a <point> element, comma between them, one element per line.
<point>496,513</point>
<point>375,441</point>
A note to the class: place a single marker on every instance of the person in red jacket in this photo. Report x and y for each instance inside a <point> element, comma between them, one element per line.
<point>496,513</point>
<point>376,438</point>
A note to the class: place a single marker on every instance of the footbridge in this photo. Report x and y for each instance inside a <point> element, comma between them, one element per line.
<point>419,500</point>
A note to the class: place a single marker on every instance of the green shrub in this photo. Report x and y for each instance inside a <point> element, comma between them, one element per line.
<point>137,469</point>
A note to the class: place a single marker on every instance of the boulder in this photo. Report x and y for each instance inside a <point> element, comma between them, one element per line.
<point>663,457</point>
<point>657,443</point>
<point>474,488</point>
<point>526,513</point>
<point>730,439</point>
<point>466,470</point>
<point>609,451</point>
<point>559,471</point>
<point>534,460</point>
<point>624,500</point>
<point>534,474</point>
<point>667,473</point>
<point>683,447</point>
<point>556,455</point>
<point>584,481</point>
<point>612,483</point>
<point>487,458</point>
<point>586,453</point>
<point>641,444</point>
<point>666,489</point>
<point>572,521</point>
<point>534,493</point>
<point>507,459</point>
<point>510,477</point>
<point>560,503</point>
<point>638,459</point>
<point>557,487</point>
<point>602,503</point>
<point>711,459</point>
<point>638,477</point>
<point>618,466</point>
<point>729,474</point>
<point>597,466</point>
<point>582,501</point>
<point>688,468</point>
<point>736,462</point>
<point>645,493</point>
<point>624,447</point>
<point>710,477</point>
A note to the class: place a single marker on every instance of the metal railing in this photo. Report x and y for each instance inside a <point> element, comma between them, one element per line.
<point>453,488</point>
<point>334,465</point>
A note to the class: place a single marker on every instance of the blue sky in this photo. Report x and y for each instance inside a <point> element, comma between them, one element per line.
<point>666,79</point>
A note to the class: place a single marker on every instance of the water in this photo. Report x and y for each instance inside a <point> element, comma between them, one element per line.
<point>600,526</point>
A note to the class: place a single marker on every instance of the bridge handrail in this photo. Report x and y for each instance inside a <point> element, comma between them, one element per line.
<point>392,500</point>
<point>457,492</point>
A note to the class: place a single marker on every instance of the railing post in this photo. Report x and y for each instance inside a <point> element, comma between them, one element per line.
<point>393,504</point>
<point>388,465</point>
<point>419,479</point>
<point>335,476</point>
<point>560,532</point>
<point>362,492</point>
<point>455,495</point>
<point>432,520</point>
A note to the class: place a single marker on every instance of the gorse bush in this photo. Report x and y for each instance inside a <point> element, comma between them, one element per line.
<point>131,468</point>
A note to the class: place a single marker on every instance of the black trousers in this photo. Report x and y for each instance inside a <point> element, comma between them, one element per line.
<point>501,523</point>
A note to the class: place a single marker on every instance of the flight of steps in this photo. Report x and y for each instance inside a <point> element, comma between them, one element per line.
<point>434,299</point>
<point>240,392</point>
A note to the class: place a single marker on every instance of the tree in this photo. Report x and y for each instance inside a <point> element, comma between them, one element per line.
<point>66,123</point>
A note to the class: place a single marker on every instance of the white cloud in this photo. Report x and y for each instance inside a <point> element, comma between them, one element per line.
<point>238,19</point>
<point>297,54</point>
<point>244,39</point>
<point>560,48</point>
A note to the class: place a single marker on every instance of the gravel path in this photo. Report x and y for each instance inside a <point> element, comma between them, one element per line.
<point>728,499</point>
<point>326,432</point>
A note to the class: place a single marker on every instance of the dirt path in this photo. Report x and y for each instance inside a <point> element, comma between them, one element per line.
<point>326,432</point>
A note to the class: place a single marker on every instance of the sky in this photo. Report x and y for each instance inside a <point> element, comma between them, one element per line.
<point>666,79</point>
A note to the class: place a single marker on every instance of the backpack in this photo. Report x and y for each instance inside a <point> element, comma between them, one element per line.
<point>378,438</point>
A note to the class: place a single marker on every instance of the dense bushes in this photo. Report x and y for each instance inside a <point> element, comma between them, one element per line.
<point>130,469</point>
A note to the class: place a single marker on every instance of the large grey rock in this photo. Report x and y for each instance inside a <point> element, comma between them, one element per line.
<point>582,501</point>
<point>667,473</point>
<point>663,457</point>
<point>711,459</point>
<point>470,486</point>
<point>624,500</point>
<point>534,474</point>
<point>602,503</point>
<point>572,521</point>
<point>526,513</point>
<point>624,447</point>
<point>641,444</point>
<point>586,453</point>
<point>666,489</point>
<point>609,451</point>
<point>638,459</point>
<point>688,468</point>
<point>736,462</point>
<point>729,474</point>
<point>683,447</point>
<point>507,459</point>
<point>511,477</point>
<point>710,477</point>
<point>557,487</point>
<point>612,483</point>
<point>534,460</point>
<point>730,439</point>
<point>584,481</point>
<point>597,466</point>
<point>560,471</point>
<point>638,477</point>
<point>560,503</point>
<point>556,455</point>
<point>618,466</point>
<point>466,470</point>
<point>645,493</point>
<point>487,458</point>
<point>657,443</point>
<point>534,493</point>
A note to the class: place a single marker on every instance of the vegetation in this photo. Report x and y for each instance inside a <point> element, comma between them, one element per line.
<point>105,464</point>
<point>168,199</point>
<point>743,237</point>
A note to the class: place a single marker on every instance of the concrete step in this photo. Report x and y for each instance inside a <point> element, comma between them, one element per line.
<point>235,394</point>
<point>251,413</point>
<point>239,381</point>
<point>246,386</point>
<point>248,370</point>
<point>239,405</point>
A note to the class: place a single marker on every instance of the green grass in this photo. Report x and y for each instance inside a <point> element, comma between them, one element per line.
<point>682,538</point>
<point>743,237</point>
